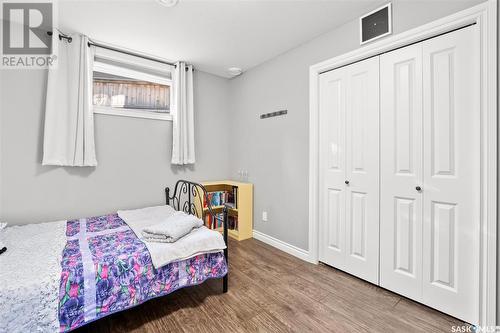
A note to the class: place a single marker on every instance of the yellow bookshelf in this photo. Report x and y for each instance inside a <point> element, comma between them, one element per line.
<point>243,209</point>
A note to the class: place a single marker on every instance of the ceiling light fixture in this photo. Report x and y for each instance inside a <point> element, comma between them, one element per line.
<point>168,3</point>
<point>234,71</point>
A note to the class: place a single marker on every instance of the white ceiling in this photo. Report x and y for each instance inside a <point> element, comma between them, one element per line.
<point>213,35</point>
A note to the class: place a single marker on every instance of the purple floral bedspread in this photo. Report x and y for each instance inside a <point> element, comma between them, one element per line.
<point>106,269</point>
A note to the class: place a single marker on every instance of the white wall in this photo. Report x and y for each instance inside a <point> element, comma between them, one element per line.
<point>275,151</point>
<point>498,180</point>
<point>133,154</point>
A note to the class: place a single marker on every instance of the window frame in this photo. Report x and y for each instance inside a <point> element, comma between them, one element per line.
<point>134,74</point>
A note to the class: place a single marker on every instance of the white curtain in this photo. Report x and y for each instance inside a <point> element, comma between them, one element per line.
<point>183,115</point>
<point>69,119</point>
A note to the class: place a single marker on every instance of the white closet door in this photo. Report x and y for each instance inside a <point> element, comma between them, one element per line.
<point>451,190</point>
<point>332,92</point>
<point>362,170</point>
<point>349,172</point>
<point>401,171</point>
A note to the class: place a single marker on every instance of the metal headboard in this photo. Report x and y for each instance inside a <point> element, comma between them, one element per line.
<point>189,198</point>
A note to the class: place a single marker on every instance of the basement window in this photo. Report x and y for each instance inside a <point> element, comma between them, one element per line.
<point>129,86</point>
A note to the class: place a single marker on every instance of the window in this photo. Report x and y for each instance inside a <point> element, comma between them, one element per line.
<point>125,85</point>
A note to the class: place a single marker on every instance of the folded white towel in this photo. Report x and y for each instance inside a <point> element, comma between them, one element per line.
<point>144,217</point>
<point>199,241</point>
<point>172,228</point>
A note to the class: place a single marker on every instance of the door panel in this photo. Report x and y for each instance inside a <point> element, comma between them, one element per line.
<point>451,188</point>
<point>443,244</point>
<point>442,144</point>
<point>401,171</point>
<point>358,225</point>
<point>332,167</point>
<point>335,202</point>
<point>404,236</point>
<point>362,169</point>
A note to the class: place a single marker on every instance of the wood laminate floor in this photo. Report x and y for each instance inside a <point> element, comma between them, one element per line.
<point>271,291</point>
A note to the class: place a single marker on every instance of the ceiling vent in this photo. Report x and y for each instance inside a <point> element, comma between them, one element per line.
<point>375,24</point>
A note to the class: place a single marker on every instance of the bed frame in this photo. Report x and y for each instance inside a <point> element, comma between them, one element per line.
<point>189,197</point>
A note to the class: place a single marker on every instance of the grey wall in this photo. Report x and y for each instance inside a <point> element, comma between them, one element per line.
<point>133,154</point>
<point>275,151</point>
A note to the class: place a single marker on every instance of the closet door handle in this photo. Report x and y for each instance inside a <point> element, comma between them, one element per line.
<point>346,182</point>
<point>418,188</point>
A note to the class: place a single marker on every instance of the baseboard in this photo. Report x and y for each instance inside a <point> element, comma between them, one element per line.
<point>280,245</point>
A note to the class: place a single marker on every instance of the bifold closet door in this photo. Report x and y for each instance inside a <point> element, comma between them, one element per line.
<point>430,172</point>
<point>451,191</point>
<point>401,171</point>
<point>349,168</point>
<point>362,170</point>
<point>332,161</point>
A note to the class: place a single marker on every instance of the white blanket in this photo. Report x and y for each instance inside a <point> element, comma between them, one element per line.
<point>172,228</point>
<point>199,241</point>
<point>30,273</point>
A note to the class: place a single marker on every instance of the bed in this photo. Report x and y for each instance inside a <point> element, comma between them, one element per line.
<point>59,276</point>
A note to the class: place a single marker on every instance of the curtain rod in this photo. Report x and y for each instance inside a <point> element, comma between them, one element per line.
<point>102,46</point>
<point>61,36</point>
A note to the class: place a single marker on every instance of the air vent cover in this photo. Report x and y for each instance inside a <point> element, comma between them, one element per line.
<point>375,24</point>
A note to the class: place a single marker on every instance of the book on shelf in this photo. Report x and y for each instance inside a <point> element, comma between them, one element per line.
<point>235,197</point>
<point>215,222</point>
<point>232,222</point>
<point>221,198</point>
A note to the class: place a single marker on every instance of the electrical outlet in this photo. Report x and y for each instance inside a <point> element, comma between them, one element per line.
<point>264,216</point>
